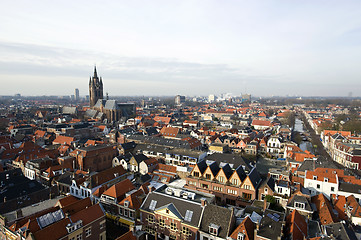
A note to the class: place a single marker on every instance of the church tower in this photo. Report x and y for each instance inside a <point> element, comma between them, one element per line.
<point>95,88</point>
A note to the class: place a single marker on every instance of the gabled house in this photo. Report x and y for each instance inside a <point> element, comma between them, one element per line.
<point>296,226</point>
<point>172,217</point>
<point>117,192</point>
<point>271,226</point>
<point>148,166</point>
<point>244,231</point>
<point>135,160</point>
<point>85,187</point>
<point>325,211</point>
<point>301,203</point>
<point>267,187</point>
<point>217,222</point>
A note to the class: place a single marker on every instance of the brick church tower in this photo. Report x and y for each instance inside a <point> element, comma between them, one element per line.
<point>95,88</point>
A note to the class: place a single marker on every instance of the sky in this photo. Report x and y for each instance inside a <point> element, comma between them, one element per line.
<point>187,47</point>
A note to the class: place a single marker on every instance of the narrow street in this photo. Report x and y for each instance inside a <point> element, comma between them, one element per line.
<point>323,158</point>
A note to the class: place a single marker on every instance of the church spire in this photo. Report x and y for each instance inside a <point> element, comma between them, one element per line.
<point>95,71</point>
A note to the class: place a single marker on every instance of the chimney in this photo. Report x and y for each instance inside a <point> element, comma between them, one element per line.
<point>256,230</point>
<point>19,213</point>
<point>150,188</point>
<point>264,205</point>
<point>203,202</point>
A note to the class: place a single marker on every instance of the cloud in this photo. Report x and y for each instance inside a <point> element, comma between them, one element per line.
<point>136,75</point>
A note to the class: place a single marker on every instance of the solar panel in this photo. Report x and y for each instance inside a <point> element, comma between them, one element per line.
<point>50,218</point>
<point>276,215</point>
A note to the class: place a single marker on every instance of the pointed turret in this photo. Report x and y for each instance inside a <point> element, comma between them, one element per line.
<point>95,72</point>
<point>95,88</point>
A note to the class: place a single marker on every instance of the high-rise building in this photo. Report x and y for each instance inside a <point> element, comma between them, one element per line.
<point>246,97</point>
<point>179,99</point>
<point>95,88</point>
<point>76,94</point>
<point>212,98</point>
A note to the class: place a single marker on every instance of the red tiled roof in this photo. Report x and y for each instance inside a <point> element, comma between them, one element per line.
<point>257,122</point>
<point>63,140</point>
<point>67,201</point>
<point>127,236</point>
<point>297,225</point>
<point>324,209</point>
<point>246,227</point>
<point>119,189</point>
<point>169,131</point>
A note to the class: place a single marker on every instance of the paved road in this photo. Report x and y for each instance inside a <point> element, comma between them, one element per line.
<point>323,158</point>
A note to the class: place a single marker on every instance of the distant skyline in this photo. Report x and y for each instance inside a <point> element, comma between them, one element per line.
<point>162,47</point>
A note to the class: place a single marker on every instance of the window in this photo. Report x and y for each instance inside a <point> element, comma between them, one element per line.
<point>150,230</point>
<point>196,174</point>
<point>219,189</point>
<point>247,196</point>
<point>161,222</point>
<point>248,187</point>
<point>265,190</point>
<point>325,179</point>
<point>231,191</point>
<point>208,176</point>
<point>240,236</point>
<point>213,229</point>
<point>235,181</point>
<point>185,231</point>
<point>79,237</point>
<point>126,212</point>
<point>150,219</point>
<point>131,214</point>
<point>120,211</point>
<point>102,225</point>
<point>173,226</point>
<point>221,179</point>
<point>88,232</point>
<point>332,189</point>
<point>192,183</point>
<point>318,186</point>
<point>299,205</point>
<point>314,177</point>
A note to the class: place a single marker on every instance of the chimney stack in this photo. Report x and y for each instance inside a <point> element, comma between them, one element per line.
<point>264,205</point>
<point>203,202</point>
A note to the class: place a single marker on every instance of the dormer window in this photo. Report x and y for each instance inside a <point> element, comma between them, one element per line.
<point>314,177</point>
<point>240,236</point>
<point>299,205</point>
<point>213,229</point>
<point>326,179</point>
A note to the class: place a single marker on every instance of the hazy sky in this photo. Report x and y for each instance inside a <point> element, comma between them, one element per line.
<point>153,47</point>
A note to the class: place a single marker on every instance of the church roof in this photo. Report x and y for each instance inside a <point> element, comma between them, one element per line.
<point>100,102</point>
<point>111,105</point>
